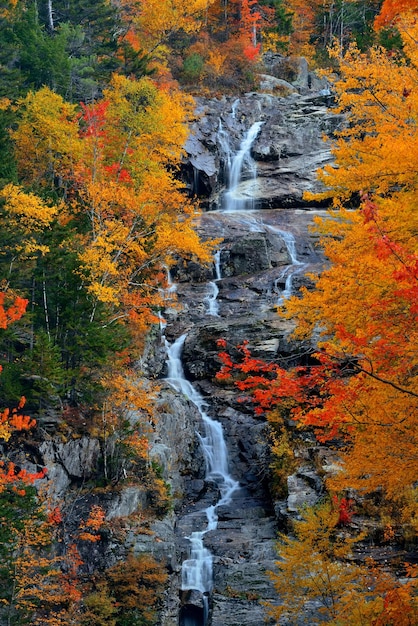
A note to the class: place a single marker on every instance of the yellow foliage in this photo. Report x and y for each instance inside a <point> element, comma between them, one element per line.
<point>138,212</point>
<point>373,153</point>
<point>155,20</point>
<point>27,214</point>
<point>216,61</point>
<point>316,565</point>
<point>5,104</point>
<point>46,140</point>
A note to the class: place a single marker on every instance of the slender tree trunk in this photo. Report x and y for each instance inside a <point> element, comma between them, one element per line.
<point>50,16</point>
<point>46,308</point>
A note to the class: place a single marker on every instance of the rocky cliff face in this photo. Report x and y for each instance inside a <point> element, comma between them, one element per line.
<point>287,151</point>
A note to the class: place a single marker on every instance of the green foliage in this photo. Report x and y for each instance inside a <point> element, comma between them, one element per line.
<point>390,39</point>
<point>346,22</point>
<point>7,160</point>
<point>31,57</point>
<point>280,24</point>
<point>193,67</point>
<point>44,371</point>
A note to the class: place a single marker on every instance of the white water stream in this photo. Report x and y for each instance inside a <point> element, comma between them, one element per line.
<point>197,570</point>
<point>290,270</point>
<point>211,297</point>
<point>233,201</point>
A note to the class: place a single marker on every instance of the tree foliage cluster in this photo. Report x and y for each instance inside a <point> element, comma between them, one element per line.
<point>74,47</point>
<point>358,389</point>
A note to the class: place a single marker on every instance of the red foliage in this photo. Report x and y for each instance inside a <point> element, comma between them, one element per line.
<point>55,516</point>
<point>11,475</point>
<point>391,10</point>
<point>251,52</point>
<point>312,393</point>
<point>119,173</point>
<point>13,312</point>
<point>345,510</point>
<point>94,117</point>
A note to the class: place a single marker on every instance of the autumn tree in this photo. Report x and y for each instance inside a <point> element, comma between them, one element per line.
<point>150,25</point>
<point>317,568</point>
<point>136,584</point>
<point>47,141</point>
<point>392,10</point>
<point>141,217</point>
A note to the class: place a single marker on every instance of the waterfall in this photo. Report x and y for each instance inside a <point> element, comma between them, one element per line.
<point>290,270</point>
<point>234,108</point>
<point>197,570</point>
<point>233,200</point>
<point>288,286</point>
<point>171,286</point>
<point>211,297</point>
<point>290,243</point>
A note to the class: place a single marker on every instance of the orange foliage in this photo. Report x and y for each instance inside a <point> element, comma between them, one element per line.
<point>343,591</point>
<point>46,586</point>
<point>303,23</point>
<point>391,11</point>
<point>14,310</point>
<point>250,19</point>
<point>137,584</point>
<point>90,528</point>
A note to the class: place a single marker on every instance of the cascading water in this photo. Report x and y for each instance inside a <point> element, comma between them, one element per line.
<point>233,201</point>
<point>197,570</point>
<point>289,271</point>
<point>290,243</point>
<point>211,297</point>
